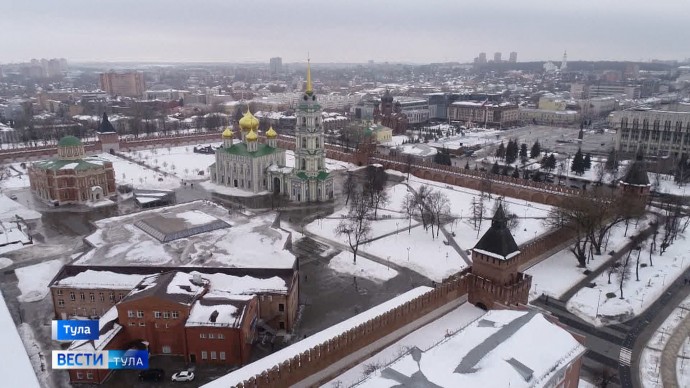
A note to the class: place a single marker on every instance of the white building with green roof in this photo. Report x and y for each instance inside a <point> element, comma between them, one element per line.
<point>257,167</point>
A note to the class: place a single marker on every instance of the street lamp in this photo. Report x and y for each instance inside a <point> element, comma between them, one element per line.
<point>408,253</point>
<point>598,301</point>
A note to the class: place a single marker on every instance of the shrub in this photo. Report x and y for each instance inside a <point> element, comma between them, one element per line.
<point>643,265</point>
<point>610,295</point>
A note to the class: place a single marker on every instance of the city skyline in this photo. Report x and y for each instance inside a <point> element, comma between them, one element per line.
<point>217,31</point>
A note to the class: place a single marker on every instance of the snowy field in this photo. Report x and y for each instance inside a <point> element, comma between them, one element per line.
<point>558,273</point>
<point>638,295</point>
<point>15,363</point>
<point>364,268</point>
<point>650,375</point>
<point>180,161</point>
<point>140,177</point>
<point>10,208</point>
<point>16,178</point>
<point>34,279</point>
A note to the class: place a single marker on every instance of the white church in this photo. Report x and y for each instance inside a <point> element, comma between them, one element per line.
<point>257,167</point>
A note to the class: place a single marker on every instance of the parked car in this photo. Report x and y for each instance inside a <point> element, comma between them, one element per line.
<point>151,375</point>
<point>13,196</point>
<point>183,376</point>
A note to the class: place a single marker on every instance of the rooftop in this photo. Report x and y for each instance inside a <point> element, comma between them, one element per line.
<point>179,287</point>
<point>497,350</point>
<point>218,311</point>
<point>240,149</point>
<point>86,163</point>
<point>251,242</point>
<point>498,242</point>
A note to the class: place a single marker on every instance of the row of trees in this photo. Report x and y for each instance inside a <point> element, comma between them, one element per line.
<point>511,152</point>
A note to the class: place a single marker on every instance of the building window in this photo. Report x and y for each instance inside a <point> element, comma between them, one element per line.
<point>112,297</point>
<point>72,297</point>
<point>92,297</point>
<point>281,307</point>
<point>140,314</point>
<point>281,325</point>
<point>119,296</point>
<point>222,355</point>
<point>213,355</point>
<point>131,323</point>
<point>175,314</point>
<point>59,292</point>
<point>80,375</point>
<point>202,335</point>
<point>61,302</point>
<point>211,336</point>
<point>82,296</point>
<point>102,297</point>
<point>221,336</point>
<point>89,375</point>
<point>166,314</point>
<point>156,314</point>
<point>130,314</point>
<point>204,355</point>
<point>142,323</point>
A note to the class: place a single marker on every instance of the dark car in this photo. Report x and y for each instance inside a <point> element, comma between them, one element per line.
<point>151,375</point>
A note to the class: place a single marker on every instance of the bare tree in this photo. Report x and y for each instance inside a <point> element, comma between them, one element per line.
<point>624,272</point>
<point>410,206</point>
<point>349,186</point>
<point>357,225</point>
<point>579,217</point>
<point>477,212</point>
<point>439,208</point>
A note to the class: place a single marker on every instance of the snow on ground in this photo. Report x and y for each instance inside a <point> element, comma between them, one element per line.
<point>683,364</point>
<point>423,338</point>
<point>5,262</point>
<point>530,214</point>
<point>325,227</point>
<point>364,268</point>
<point>228,190</point>
<point>36,355</point>
<point>287,353</point>
<point>10,208</point>
<point>667,185</point>
<point>180,161</point>
<point>638,295</point>
<point>140,177</point>
<point>34,279</point>
<point>585,384</point>
<point>17,177</point>
<point>15,364</point>
<point>650,375</point>
<point>556,274</point>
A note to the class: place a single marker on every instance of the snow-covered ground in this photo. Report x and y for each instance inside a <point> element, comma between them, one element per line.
<point>140,177</point>
<point>15,363</point>
<point>638,295</point>
<point>17,177</point>
<point>650,359</point>
<point>34,279</point>
<point>556,274</point>
<point>683,364</point>
<point>5,262</point>
<point>180,161</point>
<point>364,268</point>
<point>9,209</point>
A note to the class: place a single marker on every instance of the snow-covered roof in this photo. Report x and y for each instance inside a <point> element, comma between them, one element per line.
<point>247,243</point>
<point>107,329</point>
<point>217,311</point>
<point>498,350</point>
<point>241,285</point>
<point>417,149</point>
<point>101,279</point>
<point>177,286</point>
<point>295,349</point>
<point>15,364</point>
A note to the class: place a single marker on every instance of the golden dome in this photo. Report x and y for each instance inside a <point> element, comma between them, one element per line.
<point>248,122</point>
<point>228,133</point>
<point>271,133</point>
<point>251,136</point>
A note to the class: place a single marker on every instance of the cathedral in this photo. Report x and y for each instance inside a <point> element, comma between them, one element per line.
<point>260,167</point>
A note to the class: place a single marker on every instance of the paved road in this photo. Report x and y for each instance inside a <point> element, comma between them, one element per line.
<point>669,356</point>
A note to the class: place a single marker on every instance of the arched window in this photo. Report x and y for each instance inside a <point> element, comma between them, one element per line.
<point>636,124</point>
<point>304,164</point>
<point>645,124</point>
<point>304,142</point>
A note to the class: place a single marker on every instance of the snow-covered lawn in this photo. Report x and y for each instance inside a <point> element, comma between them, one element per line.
<point>417,251</point>
<point>638,295</point>
<point>14,179</point>
<point>140,177</point>
<point>33,280</point>
<point>364,268</point>
<point>650,375</point>
<point>556,274</point>
<point>387,222</point>
<point>180,161</point>
<point>683,364</point>
<point>10,208</point>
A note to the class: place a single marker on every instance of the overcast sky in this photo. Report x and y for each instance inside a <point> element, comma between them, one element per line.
<point>342,31</point>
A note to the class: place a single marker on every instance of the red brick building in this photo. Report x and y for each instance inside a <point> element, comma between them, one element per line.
<point>72,177</point>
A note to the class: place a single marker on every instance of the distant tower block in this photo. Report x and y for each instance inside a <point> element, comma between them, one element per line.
<point>513,57</point>
<point>564,62</point>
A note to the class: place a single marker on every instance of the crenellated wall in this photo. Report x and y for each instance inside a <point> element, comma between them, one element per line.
<point>319,357</point>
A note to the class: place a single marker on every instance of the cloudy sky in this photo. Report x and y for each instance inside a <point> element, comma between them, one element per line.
<point>342,31</point>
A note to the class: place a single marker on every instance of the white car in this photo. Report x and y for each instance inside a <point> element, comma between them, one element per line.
<point>183,376</point>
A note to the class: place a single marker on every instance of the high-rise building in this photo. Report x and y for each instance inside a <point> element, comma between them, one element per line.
<point>482,58</point>
<point>497,57</point>
<point>129,84</point>
<point>276,65</point>
<point>513,57</point>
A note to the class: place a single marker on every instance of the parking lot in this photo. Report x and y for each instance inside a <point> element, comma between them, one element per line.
<point>170,364</point>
